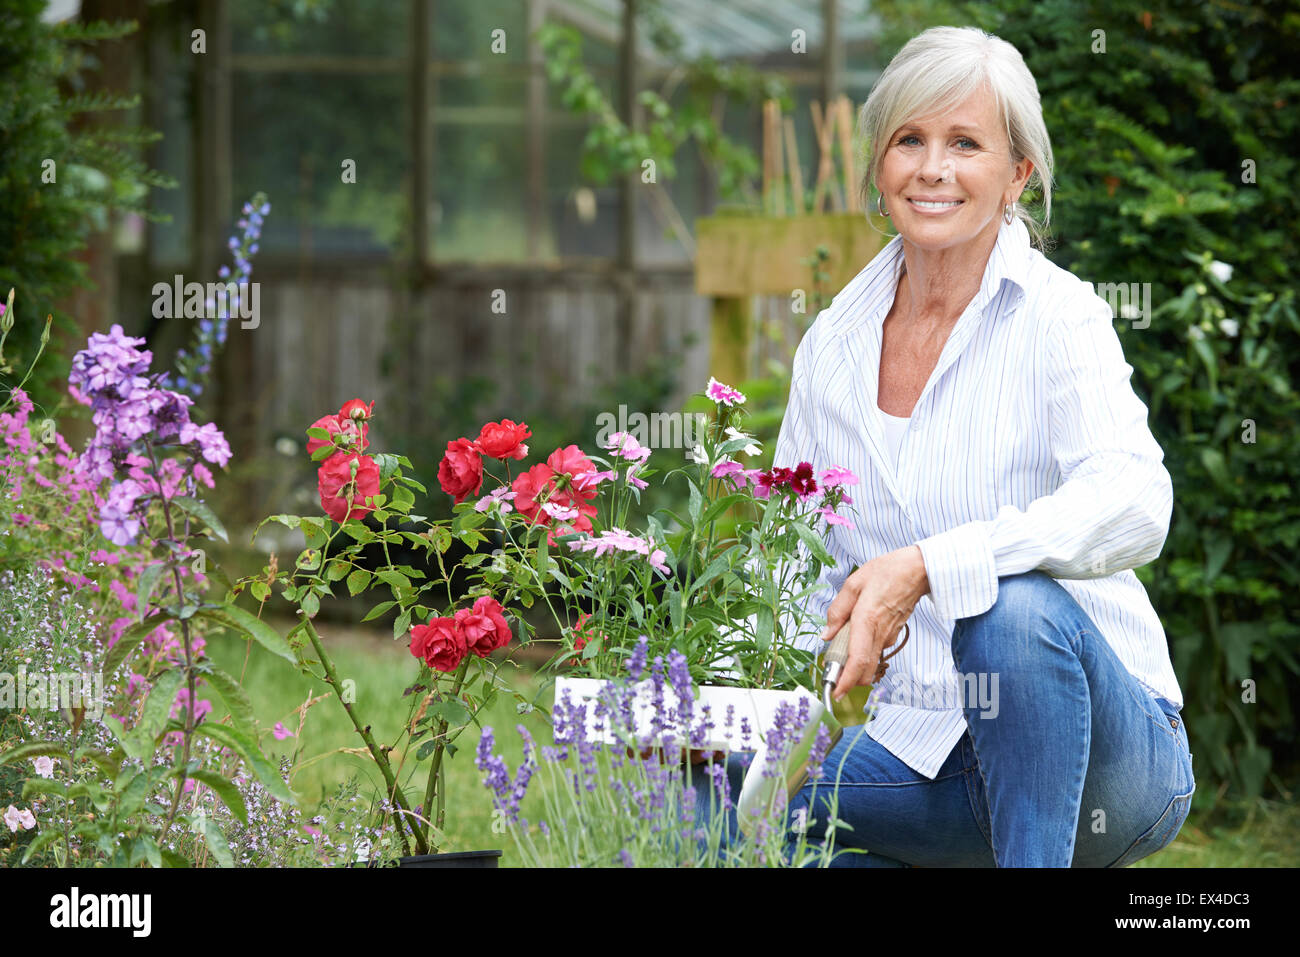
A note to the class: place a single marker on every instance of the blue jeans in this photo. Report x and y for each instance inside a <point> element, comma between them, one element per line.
<point>1080,767</point>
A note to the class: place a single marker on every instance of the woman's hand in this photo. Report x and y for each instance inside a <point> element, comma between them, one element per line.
<point>876,600</point>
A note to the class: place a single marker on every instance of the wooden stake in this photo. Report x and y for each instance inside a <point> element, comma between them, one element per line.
<point>796,171</point>
<point>846,152</point>
<point>778,166</point>
<point>767,157</point>
<point>825,132</point>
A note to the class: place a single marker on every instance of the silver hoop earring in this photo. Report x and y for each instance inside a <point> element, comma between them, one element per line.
<point>879,204</point>
<point>1009,214</point>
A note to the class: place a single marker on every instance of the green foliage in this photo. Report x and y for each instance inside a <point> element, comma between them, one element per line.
<point>93,171</point>
<point>1157,141</point>
<point>611,148</point>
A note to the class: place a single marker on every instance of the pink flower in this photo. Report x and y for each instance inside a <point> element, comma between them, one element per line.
<point>727,467</point>
<point>723,394</point>
<point>15,817</point>
<point>501,497</point>
<point>836,475</point>
<point>589,480</point>
<point>280,732</point>
<point>559,512</point>
<point>44,766</point>
<point>625,445</point>
<point>634,481</point>
<point>833,519</point>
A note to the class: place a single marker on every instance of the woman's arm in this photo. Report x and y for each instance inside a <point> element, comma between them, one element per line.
<point>1112,510</point>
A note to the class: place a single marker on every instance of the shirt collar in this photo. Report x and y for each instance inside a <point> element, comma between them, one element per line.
<point>868,295</point>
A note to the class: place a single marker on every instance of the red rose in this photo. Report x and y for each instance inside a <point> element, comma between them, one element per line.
<point>330,423</point>
<point>538,485</point>
<point>570,461</point>
<point>336,484</point>
<point>460,473</point>
<point>346,431</point>
<point>504,439</point>
<point>484,627</point>
<point>583,632</point>
<point>531,488</point>
<point>441,643</point>
<point>356,409</point>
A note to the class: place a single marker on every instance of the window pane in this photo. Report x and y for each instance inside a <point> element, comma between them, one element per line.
<point>464,30</point>
<point>170,242</point>
<point>293,133</point>
<point>581,218</point>
<point>479,170</point>
<point>350,28</point>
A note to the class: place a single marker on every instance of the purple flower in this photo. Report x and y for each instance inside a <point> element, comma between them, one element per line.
<point>497,776</point>
<point>817,756</point>
<point>636,662</point>
<point>717,772</point>
<point>212,443</point>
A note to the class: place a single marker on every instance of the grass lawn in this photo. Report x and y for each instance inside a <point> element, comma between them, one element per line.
<point>1266,834</point>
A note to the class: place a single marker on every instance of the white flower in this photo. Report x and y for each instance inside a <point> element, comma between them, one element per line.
<point>1220,271</point>
<point>44,766</point>
<point>1196,332</point>
<point>698,456</point>
<point>752,448</point>
<point>1229,327</point>
<point>1129,310</point>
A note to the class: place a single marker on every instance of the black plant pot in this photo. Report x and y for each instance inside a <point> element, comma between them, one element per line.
<point>455,859</point>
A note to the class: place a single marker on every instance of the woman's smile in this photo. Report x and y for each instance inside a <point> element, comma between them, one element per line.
<point>934,207</point>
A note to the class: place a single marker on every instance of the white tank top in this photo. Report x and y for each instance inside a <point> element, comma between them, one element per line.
<point>895,426</point>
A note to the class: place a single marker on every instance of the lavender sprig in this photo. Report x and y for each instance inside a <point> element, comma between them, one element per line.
<point>195,364</point>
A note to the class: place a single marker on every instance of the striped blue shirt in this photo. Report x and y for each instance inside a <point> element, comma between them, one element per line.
<point>1027,449</point>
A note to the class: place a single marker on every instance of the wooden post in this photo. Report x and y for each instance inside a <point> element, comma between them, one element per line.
<point>773,130</point>
<point>729,346</point>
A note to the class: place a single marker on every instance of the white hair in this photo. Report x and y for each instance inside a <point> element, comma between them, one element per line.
<point>937,70</point>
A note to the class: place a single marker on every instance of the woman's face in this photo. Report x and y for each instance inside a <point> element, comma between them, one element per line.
<point>946,178</point>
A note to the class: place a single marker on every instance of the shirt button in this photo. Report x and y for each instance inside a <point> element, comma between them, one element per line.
<point>1173,722</point>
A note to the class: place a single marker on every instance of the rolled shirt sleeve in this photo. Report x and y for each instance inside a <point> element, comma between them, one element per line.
<point>1111,511</point>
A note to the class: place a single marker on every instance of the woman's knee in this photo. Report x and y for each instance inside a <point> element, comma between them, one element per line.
<point>1033,614</point>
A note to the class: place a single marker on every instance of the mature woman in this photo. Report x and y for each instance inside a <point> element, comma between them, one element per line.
<point>1010,484</point>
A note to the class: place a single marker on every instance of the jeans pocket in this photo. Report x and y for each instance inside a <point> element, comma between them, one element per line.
<point>1162,833</point>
